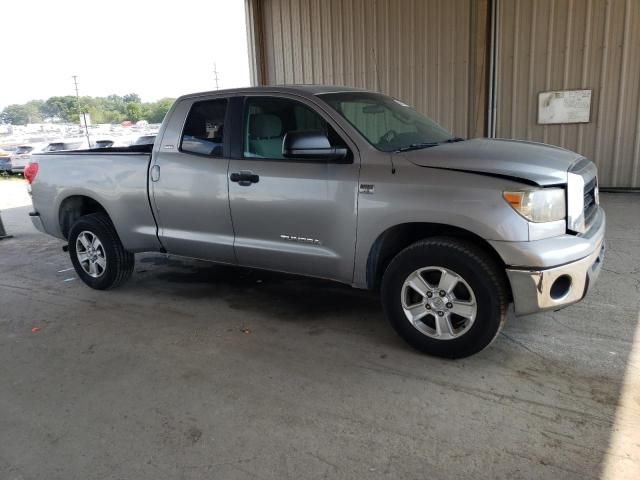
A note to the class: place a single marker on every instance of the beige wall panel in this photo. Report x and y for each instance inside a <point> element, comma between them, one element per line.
<point>574,44</point>
<point>416,50</point>
<point>422,51</point>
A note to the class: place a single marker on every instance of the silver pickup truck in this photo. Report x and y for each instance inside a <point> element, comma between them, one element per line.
<point>343,184</point>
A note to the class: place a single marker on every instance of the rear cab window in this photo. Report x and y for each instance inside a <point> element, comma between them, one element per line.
<point>203,132</point>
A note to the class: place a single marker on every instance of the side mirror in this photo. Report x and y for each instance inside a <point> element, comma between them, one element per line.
<point>311,144</point>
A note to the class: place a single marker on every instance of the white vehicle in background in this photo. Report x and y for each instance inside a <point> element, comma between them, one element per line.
<point>145,140</point>
<point>5,161</point>
<point>104,143</point>
<point>20,157</point>
<point>68,144</point>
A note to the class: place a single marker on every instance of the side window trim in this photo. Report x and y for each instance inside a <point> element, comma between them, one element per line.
<point>239,134</point>
<point>226,141</point>
<point>235,110</point>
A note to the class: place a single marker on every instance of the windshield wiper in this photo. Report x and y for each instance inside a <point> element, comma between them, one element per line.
<point>417,146</point>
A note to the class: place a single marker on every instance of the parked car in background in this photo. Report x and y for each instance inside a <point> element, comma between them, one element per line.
<point>103,143</point>
<point>341,184</point>
<point>74,144</point>
<point>5,161</point>
<point>20,158</point>
<point>145,140</point>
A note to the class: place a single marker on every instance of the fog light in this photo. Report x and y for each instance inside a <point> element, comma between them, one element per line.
<point>560,288</point>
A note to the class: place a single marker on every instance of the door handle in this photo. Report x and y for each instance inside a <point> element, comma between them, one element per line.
<point>155,173</point>
<point>244,178</point>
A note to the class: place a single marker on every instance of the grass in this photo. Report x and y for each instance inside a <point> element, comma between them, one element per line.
<point>10,177</point>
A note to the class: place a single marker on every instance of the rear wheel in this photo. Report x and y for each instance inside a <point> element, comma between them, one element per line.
<point>445,296</point>
<point>97,254</point>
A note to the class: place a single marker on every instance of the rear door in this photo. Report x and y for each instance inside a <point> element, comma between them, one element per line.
<point>188,179</point>
<point>293,215</point>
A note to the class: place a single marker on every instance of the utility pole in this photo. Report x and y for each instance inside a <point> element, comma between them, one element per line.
<point>81,111</point>
<point>215,75</point>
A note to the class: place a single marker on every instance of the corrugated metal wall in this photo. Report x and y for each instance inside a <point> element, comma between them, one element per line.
<point>416,50</point>
<point>574,44</point>
<point>431,54</point>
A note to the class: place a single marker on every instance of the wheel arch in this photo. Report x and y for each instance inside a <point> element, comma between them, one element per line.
<point>74,207</point>
<point>396,238</point>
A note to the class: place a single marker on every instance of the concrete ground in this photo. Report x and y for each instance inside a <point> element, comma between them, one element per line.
<point>195,371</point>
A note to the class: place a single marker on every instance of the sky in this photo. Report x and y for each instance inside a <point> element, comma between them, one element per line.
<point>153,48</point>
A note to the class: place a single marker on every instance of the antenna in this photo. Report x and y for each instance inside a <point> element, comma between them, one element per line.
<point>215,75</point>
<point>80,111</point>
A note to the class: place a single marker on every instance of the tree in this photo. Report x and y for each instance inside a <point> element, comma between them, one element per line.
<point>134,111</point>
<point>159,109</point>
<point>34,111</point>
<point>22,114</point>
<point>132,98</point>
<point>14,114</point>
<point>110,109</point>
<point>61,108</point>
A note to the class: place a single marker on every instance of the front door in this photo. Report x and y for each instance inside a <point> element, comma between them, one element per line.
<point>188,181</point>
<point>292,215</point>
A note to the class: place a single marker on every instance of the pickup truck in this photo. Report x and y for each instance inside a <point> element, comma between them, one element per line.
<point>342,184</point>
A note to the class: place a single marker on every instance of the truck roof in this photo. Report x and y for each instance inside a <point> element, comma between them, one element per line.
<point>300,89</point>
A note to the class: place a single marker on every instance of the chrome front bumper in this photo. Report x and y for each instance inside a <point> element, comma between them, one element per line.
<point>536,289</point>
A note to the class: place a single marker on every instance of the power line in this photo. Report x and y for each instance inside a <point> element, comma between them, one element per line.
<point>81,111</point>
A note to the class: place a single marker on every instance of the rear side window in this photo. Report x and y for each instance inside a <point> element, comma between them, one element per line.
<point>204,130</point>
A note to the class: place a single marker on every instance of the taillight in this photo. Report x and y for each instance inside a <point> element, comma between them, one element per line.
<point>30,172</point>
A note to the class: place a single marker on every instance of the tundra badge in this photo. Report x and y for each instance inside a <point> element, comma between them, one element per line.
<point>296,238</point>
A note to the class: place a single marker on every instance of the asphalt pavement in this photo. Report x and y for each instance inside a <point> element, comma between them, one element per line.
<point>194,371</point>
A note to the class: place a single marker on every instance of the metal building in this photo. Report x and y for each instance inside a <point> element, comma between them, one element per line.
<point>476,66</point>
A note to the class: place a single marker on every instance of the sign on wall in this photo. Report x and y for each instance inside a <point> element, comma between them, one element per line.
<point>564,106</point>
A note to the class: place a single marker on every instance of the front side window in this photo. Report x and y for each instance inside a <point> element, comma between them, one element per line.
<point>386,123</point>
<point>268,119</point>
<point>204,129</point>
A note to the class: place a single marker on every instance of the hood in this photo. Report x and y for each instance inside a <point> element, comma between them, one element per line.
<point>537,163</point>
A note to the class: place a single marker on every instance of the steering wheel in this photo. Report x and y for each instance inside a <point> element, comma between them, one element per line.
<point>388,136</point>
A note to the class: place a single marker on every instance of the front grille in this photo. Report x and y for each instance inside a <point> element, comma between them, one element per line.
<point>582,196</point>
<point>590,205</point>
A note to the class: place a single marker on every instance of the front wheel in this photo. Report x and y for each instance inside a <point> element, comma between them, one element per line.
<point>97,254</point>
<point>445,296</point>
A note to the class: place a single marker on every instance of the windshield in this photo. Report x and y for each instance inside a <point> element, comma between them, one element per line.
<point>20,150</point>
<point>387,123</point>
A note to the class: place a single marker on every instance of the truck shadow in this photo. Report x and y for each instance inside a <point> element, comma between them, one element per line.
<point>285,296</point>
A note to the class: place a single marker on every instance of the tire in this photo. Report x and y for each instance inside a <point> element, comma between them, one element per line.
<point>470,314</point>
<point>112,264</point>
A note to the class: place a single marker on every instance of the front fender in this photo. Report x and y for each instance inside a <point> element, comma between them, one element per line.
<point>414,194</point>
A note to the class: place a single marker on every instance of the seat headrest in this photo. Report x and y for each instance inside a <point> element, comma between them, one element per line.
<point>265,125</point>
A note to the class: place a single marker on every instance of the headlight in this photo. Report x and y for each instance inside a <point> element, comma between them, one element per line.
<point>544,205</point>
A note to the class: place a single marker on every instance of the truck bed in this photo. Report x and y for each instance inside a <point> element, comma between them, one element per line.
<point>115,178</point>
